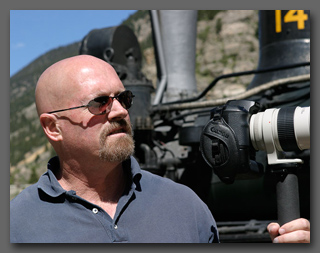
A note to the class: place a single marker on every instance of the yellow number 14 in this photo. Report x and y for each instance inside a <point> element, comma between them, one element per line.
<point>291,16</point>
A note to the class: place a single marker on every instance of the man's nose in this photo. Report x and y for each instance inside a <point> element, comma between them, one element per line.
<point>117,111</point>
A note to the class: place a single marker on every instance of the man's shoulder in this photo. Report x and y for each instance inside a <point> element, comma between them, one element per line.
<point>167,187</point>
<point>26,197</point>
<point>23,209</point>
<point>167,195</point>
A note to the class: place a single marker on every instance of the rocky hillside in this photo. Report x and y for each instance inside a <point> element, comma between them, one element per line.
<point>227,42</point>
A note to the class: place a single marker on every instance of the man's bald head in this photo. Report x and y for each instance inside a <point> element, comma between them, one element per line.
<point>59,83</point>
<point>78,135</point>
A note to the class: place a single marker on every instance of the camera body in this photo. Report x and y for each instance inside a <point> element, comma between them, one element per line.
<point>225,141</point>
<point>237,130</point>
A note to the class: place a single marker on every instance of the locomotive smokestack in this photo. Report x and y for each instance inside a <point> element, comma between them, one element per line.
<point>284,37</point>
<point>177,31</point>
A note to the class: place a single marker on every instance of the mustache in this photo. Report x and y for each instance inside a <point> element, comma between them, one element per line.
<point>117,126</point>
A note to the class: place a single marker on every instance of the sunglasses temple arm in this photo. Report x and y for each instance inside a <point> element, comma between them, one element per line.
<point>62,110</point>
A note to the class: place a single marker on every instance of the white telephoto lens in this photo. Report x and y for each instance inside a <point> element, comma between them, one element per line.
<point>302,127</point>
<point>287,129</point>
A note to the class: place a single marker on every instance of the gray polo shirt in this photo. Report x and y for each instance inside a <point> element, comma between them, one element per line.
<point>152,210</point>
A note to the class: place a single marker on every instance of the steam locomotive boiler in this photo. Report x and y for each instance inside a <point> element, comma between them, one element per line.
<point>247,156</point>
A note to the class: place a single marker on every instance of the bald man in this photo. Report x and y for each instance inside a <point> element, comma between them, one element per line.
<point>90,147</point>
<point>94,190</point>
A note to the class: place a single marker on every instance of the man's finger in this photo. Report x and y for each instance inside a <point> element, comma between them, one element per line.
<point>299,224</point>
<point>273,229</point>
<point>299,236</point>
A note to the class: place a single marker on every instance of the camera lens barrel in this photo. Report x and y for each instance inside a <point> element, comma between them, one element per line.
<point>286,129</point>
<point>285,126</point>
<point>302,127</point>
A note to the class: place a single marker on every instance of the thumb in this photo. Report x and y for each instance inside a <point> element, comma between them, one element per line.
<point>273,229</point>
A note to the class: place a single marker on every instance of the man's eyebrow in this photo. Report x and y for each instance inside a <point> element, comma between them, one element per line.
<point>104,94</point>
<point>100,94</point>
<point>91,97</point>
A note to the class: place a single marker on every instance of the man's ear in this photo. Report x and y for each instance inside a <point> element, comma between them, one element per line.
<point>50,127</point>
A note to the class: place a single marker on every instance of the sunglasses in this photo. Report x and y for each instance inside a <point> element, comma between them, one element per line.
<point>102,105</point>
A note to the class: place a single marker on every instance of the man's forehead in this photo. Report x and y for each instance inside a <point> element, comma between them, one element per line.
<point>92,88</point>
<point>95,75</point>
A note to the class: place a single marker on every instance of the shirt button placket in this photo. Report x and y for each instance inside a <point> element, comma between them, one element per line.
<point>95,210</point>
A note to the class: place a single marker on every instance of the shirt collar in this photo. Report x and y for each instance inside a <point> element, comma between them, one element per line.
<point>135,172</point>
<point>49,184</point>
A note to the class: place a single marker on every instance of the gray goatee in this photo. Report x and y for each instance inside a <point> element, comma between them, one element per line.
<point>119,149</point>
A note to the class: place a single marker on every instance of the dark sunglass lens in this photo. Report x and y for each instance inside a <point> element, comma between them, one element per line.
<point>99,105</point>
<point>125,98</point>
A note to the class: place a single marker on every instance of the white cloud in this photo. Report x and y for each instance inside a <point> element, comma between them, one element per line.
<point>18,45</point>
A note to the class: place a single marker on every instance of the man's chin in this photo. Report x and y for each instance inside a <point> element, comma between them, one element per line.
<point>117,149</point>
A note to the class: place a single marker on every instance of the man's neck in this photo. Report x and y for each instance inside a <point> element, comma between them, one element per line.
<point>102,186</point>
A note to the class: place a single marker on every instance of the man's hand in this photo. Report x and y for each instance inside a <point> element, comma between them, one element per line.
<point>296,231</point>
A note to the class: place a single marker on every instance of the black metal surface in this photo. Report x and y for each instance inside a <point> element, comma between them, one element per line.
<point>112,44</point>
<point>251,231</point>
<point>288,46</point>
<point>288,203</point>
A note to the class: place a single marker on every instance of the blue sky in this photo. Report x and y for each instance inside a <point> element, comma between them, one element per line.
<point>35,32</point>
